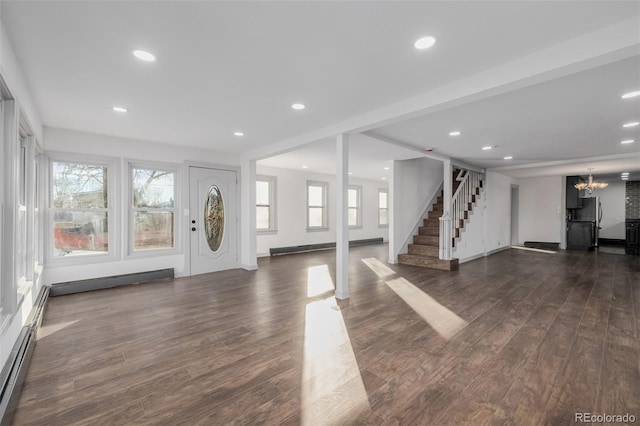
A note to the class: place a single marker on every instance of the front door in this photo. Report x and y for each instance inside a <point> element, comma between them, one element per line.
<point>212,220</point>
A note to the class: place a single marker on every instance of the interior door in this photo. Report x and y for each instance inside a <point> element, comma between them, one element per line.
<point>212,220</point>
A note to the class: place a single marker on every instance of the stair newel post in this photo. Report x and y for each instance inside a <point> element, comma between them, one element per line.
<point>446,228</point>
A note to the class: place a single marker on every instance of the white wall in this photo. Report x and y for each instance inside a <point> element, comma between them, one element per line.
<point>489,226</point>
<point>291,210</point>
<point>70,141</point>
<point>612,201</point>
<point>11,323</point>
<point>541,215</point>
<point>415,183</point>
<point>14,78</point>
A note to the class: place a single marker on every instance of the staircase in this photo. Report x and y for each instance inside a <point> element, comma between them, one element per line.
<point>425,250</point>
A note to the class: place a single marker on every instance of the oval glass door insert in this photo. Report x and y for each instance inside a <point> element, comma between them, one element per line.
<point>214,218</point>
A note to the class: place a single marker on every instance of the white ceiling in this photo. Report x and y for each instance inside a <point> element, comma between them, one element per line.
<point>227,66</point>
<point>367,158</point>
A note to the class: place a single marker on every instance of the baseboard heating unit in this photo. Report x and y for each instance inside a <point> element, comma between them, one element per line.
<point>15,369</point>
<point>71,287</point>
<point>322,246</point>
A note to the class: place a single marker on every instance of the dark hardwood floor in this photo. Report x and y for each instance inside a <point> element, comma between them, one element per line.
<point>522,338</point>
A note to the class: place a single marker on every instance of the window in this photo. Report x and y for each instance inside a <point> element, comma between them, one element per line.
<point>265,203</point>
<point>383,207</point>
<point>316,205</point>
<point>153,208</point>
<point>354,201</point>
<point>80,208</point>
<point>22,248</point>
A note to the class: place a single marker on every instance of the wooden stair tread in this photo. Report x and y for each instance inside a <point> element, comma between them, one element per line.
<point>428,262</point>
<point>426,240</point>
<point>424,250</point>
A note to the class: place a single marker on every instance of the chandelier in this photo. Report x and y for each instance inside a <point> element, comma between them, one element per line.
<point>590,185</point>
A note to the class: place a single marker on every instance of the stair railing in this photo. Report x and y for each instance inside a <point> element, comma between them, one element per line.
<point>450,223</point>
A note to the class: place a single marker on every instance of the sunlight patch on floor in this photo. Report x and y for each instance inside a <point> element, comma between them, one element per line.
<point>319,280</point>
<point>330,369</point>
<point>48,330</point>
<point>441,319</point>
<point>378,267</point>
<point>533,249</point>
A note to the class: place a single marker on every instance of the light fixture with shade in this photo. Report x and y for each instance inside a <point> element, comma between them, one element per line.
<point>590,185</point>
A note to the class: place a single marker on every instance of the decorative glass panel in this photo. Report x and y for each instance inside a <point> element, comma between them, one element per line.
<point>153,188</point>
<point>79,186</point>
<point>214,218</point>
<point>315,196</point>
<point>262,217</point>
<point>78,233</point>
<point>152,230</point>
<point>262,193</point>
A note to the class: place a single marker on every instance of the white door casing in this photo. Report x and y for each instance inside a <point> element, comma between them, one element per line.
<point>211,251</point>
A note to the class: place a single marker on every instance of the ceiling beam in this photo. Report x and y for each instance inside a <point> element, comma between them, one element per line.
<point>605,45</point>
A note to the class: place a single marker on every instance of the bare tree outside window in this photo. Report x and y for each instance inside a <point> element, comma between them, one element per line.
<point>153,208</point>
<point>79,204</point>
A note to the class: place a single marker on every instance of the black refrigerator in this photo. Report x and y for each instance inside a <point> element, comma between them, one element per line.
<point>584,227</point>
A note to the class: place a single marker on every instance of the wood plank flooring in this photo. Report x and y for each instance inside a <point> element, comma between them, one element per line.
<point>546,336</point>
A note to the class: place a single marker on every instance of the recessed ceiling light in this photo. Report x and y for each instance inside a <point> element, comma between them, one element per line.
<point>386,168</point>
<point>624,173</point>
<point>455,133</point>
<point>625,178</point>
<point>144,55</point>
<point>298,107</point>
<point>632,124</point>
<point>486,148</point>
<point>238,134</point>
<point>350,173</point>
<point>119,109</point>
<point>425,42</point>
<point>305,167</point>
<point>631,94</point>
<point>627,141</point>
<point>384,178</point>
<point>508,158</point>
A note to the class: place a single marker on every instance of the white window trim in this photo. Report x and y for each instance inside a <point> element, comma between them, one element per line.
<point>386,191</point>
<point>113,210</point>
<point>358,189</point>
<point>325,211</point>
<point>273,219</point>
<point>177,208</point>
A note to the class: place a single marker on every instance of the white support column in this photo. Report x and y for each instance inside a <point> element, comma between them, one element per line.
<point>391,215</point>
<point>447,189</point>
<point>342,219</point>
<point>446,228</point>
<point>248,258</point>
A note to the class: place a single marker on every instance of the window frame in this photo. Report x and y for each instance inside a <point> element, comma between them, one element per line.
<point>273,219</point>
<point>112,209</point>
<point>358,189</point>
<point>383,191</point>
<point>325,205</point>
<point>130,209</point>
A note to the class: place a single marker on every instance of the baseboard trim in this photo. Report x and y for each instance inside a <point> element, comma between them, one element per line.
<point>321,246</point>
<point>102,283</point>
<point>15,370</point>
<point>249,267</point>
<point>489,253</point>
